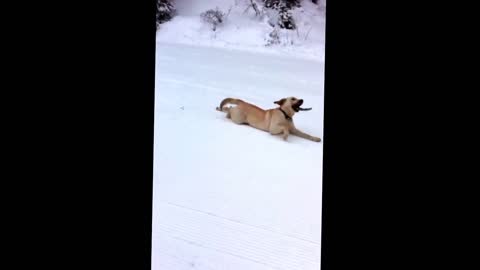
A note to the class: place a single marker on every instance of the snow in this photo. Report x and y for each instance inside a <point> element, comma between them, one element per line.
<point>244,31</point>
<point>229,196</point>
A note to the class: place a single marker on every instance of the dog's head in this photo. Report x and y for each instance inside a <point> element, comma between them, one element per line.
<point>290,104</point>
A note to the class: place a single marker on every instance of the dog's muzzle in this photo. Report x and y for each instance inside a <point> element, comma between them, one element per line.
<point>296,106</point>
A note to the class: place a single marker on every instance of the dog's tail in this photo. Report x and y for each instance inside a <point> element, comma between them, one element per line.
<point>228,101</point>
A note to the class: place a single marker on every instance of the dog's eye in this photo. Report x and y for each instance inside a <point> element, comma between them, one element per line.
<point>294,99</point>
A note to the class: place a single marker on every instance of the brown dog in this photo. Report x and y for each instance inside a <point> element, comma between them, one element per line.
<point>275,121</point>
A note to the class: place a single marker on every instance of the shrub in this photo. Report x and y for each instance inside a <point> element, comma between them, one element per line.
<point>273,37</point>
<point>213,17</point>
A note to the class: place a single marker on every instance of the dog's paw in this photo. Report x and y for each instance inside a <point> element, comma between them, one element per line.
<point>315,139</point>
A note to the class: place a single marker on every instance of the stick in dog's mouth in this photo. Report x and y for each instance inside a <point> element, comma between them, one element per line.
<point>297,107</point>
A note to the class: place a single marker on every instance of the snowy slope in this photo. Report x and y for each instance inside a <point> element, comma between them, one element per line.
<point>245,31</point>
<point>228,196</point>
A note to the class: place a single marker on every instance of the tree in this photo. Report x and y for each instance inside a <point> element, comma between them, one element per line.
<point>165,11</point>
<point>283,7</point>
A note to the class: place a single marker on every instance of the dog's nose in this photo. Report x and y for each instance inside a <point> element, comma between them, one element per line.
<point>300,100</point>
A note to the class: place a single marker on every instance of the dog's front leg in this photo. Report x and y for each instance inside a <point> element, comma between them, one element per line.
<point>285,133</point>
<point>280,130</point>
<point>304,135</point>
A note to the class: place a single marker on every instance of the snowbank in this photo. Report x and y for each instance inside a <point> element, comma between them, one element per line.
<point>243,31</point>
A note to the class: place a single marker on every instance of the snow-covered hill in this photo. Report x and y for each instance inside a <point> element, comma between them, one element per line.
<point>246,31</point>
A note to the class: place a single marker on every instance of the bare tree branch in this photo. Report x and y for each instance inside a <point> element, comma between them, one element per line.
<point>306,36</point>
<point>255,7</point>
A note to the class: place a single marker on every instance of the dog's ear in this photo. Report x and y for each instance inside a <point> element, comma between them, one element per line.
<point>280,102</point>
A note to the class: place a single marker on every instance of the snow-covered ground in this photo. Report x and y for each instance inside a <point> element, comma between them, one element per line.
<point>229,196</point>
